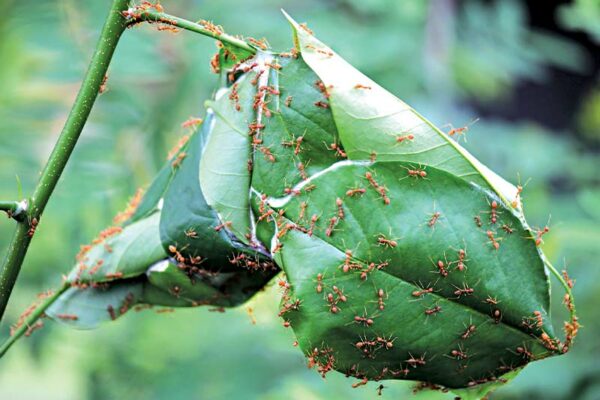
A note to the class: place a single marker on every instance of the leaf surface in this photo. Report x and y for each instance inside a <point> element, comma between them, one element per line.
<point>405,262</point>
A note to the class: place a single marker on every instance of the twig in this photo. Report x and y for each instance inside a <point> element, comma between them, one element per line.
<point>152,15</point>
<point>111,32</point>
<point>31,318</point>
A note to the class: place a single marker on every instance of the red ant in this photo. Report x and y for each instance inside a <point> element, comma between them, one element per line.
<point>255,127</point>
<point>387,343</point>
<point>465,290</point>
<point>266,215</point>
<point>493,240</point>
<point>491,300</point>
<point>517,200</point>
<point>277,248</point>
<point>540,233</point>
<point>461,131</point>
<point>348,264</point>
<point>191,233</point>
<point>355,191</point>
<point>380,295</point>
<point>468,332</point>
<point>313,221</point>
<point>321,51</point>
<point>338,150</point>
<point>372,266</point>
<point>414,362</point>
<point>379,188</point>
<point>416,173</point>
<point>569,281</point>
<point>302,169</point>
<point>340,294</point>
<point>32,227</point>
<point>434,218</point>
<point>522,350</point>
<point>191,122</point>
<point>493,212</point>
<point>538,318</point>
<point>319,283</point>
<point>433,310</point>
<point>340,208</point>
<point>550,344</point>
<point>364,320</point>
<point>361,86</point>
<point>460,264</point>
<point>322,88</point>
<point>226,224</point>
<point>113,275</point>
<point>236,260</point>
<point>111,312</point>
<point>497,315</point>
<point>295,143</point>
<point>383,241</point>
<point>508,229</point>
<point>363,382</point>
<point>400,139</point>
<point>441,267</point>
<point>303,207</point>
<point>291,192</point>
<point>459,354</point>
<point>333,308</point>
<point>267,153</point>
<point>422,291</point>
<point>332,223</point>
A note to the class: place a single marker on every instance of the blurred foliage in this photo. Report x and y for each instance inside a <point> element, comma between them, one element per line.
<point>582,15</point>
<point>437,56</point>
<point>494,47</point>
<point>589,116</point>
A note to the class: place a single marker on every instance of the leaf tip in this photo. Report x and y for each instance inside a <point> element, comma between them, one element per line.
<point>289,18</point>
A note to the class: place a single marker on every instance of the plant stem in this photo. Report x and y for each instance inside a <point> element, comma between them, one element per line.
<point>554,271</point>
<point>151,15</point>
<point>31,318</point>
<point>9,206</point>
<point>111,32</point>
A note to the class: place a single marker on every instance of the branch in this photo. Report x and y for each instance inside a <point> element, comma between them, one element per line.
<point>9,207</point>
<point>154,16</point>
<point>111,32</point>
<point>37,313</point>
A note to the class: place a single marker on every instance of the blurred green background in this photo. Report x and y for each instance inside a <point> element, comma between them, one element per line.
<point>528,71</point>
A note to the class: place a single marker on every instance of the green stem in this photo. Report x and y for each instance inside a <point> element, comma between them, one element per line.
<point>9,207</point>
<point>31,318</point>
<point>111,32</point>
<point>151,15</point>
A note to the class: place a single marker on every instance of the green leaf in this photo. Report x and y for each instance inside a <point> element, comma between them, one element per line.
<point>224,174</point>
<point>372,121</point>
<point>230,55</point>
<point>87,308</point>
<point>125,254</point>
<point>154,194</point>
<point>481,391</point>
<point>297,134</point>
<point>187,222</point>
<point>513,275</point>
<point>224,289</point>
